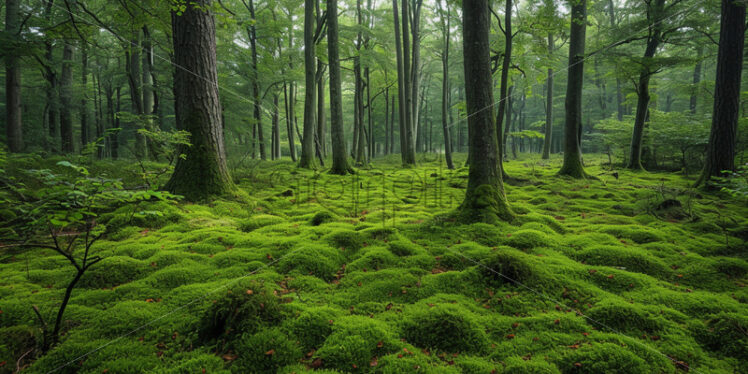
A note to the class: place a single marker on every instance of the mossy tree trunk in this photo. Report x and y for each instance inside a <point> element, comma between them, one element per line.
<point>484,198</point>
<point>339,154</point>
<point>572,165</point>
<point>203,172</point>
<point>720,155</point>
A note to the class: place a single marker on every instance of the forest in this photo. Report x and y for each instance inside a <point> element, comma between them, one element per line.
<point>370,186</point>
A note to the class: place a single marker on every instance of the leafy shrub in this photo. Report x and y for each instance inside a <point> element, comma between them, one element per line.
<point>444,327</point>
<point>266,352</point>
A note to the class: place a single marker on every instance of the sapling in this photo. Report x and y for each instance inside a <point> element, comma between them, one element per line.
<point>60,214</point>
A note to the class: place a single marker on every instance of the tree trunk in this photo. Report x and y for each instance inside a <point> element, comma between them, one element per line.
<point>642,87</point>
<point>51,76</point>
<point>85,135</point>
<point>572,165</point>
<point>504,83</point>
<point>339,154</point>
<point>720,154</point>
<point>386,120</point>
<point>256,84</point>
<point>392,125</point>
<point>203,172</point>
<point>400,84</point>
<point>66,92</point>
<point>321,121</point>
<point>13,109</point>
<point>484,197</point>
<point>276,128</point>
<point>416,69</point>
<point>549,104</point>
<point>446,24</point>
<point>114,138</point>
<point>696,80</point>
<point>409,143</point>
<point>310,93</point>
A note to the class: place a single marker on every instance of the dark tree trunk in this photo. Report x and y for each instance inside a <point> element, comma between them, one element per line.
<point>484,196</point>
<point>310,93</point>
<point>291,98</point>
<point>99,104</point>
<point>135,82</point>
<point>50,74</point>
<point>720,154</point>
<point>642,87</point>
<point>503,86</point>
<point>386,121</point>
<point>392,125</point>
<point>572,165</point>
<point>276,128</point>
<point>321,120</point>
<point>400,84</point>
<point>339,154</point>
<point>257,128</point>
<point>203,172</point>
<point>416,69</point>
<point>549,105</point>
<point>66,96</point>
<point>409,151</point>
<point>13,109</point>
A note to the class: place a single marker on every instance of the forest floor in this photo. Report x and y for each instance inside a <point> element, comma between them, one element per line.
<point>367,273</point>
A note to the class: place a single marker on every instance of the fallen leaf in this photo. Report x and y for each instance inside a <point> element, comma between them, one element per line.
<point>270,352</point>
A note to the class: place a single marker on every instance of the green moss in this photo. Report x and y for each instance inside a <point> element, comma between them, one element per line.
<point>602,358</point>
<point>242,310</point>
<point>624,317</point>
<point>113,271</point>
<point>16,341</point>
<point>631,259</point>
<point>353,343</point>
<point>638,234</point>
<point>349,240</point>
<point>724,333</point>
<point>513,267</point>
<point>529,239</point>
<point>405,248</point>
<point>313,326</point>
<point>444,327</point>
<point>259,220</point>
<point>518,365</point>
<point>322,217</point>
<point>318,260</point>
<point>373,258</point>
<point>266,352</point>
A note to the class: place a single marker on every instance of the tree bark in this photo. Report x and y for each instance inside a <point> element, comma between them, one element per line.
<point>256,84</point>
<point>276,128</point>
<point>505,82</point>
<point>66,92</point>
<point>446,24</point>
<point>85,130</point>
<point>13,109</point>
<point>409,143</point>
<point>400,85</point>
<point>203,172</point>
<point>642,87</point>
<point>549,104</point>
<point>339,154</point>
<point>572,165</point>
<point>484,197</point>
<point>416,69</point>
<point>310,91</point>
<point>720,154</point>
<point>694,99</point>
<point>50,74</point>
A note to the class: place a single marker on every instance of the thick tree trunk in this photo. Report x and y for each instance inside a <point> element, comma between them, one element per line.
<point>642,88</point>
<point>549,105</point>
<point>203,172</point>
<point>572,165</point>
<point>339,154</point>
<point>720,154</point>
<point>66,96</point>
<point>310,93</point>
<point>13,109</point>
<point>484,197</point>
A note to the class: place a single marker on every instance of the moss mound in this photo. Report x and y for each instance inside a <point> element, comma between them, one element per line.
<point>444,327</point>
<point>348,240</point>
<point>624,317</point>
<point>241,310</point>
<point>726,333</point>
<point>258,221</point>
<point>318,260</point>
<point>603,358</point>
<point>631,259</point>
<point>113,271</point>
<point>322,217</point>
<point>313,326</point>
<point>529,239</point>
<point>519,365</point>
<point>355,340</point>
<point>265,352</point>
<point>514,267</point>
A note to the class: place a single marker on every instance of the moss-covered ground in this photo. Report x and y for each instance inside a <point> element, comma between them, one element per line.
<point>368,273</point>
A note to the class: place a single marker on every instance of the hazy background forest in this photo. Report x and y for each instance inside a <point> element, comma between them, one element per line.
<point>369,186</point>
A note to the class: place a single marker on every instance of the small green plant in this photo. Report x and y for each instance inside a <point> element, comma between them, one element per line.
<point>59,211</point>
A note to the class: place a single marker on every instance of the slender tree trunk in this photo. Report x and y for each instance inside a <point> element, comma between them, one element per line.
<point>321,121</point>
<point>256,83</point>
<point>409,151</point>
<point>99,114</point>
<point>310,93</point>
<point>400,85</point>
<point>696,80</point>
<point>370,137</point>
<point>416,67</point>
<point>446,24</point>
<point>276,128</point>
<point>13,109</point>
<point>508,123</point>
<point>386,121</point>
<point>203,172</point>
<point>392,125</point>
<point>66,92</point>
<point>505,83</point>
<point>339,154</point>
<point>50,74</point>
<point>135,81</point>
<point>291,96</point>
<point>484,197</point>
<point>85,136</point>
<point>549,104</point>
<point>572,165</point>
<point>720,154</point>
<point>642,88</point>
